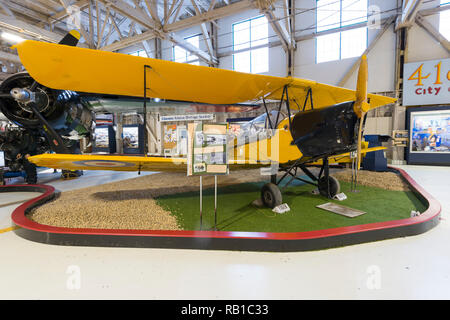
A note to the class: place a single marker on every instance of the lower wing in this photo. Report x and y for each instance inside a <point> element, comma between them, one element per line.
<point>141,163</point>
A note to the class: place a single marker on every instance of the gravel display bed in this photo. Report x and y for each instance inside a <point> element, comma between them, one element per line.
<point>131,204</point>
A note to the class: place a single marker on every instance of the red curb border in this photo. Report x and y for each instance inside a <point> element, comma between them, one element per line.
<point>225,240</point>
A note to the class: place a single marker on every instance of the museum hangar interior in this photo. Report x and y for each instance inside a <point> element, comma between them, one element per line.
<point>224,149</point>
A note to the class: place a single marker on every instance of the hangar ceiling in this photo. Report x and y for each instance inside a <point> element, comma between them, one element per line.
<point>113,25</point>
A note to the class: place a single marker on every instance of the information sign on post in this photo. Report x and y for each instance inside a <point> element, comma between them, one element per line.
<point>207,149</point>
<point>207,155</point>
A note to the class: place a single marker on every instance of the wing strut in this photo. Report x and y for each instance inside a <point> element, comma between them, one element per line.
<point>145,109</point>
<point>288,108</point>
<point>268,114</point>
<point>308,95</point>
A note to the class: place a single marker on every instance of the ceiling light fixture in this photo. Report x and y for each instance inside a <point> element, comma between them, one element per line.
<point>12,37</point>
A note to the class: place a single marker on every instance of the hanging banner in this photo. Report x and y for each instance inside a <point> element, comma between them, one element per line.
<point>187,117</point>
<point>426,82</point>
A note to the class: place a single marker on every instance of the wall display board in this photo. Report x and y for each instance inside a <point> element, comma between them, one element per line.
<point>2,159</point>
<point>429,135</point>
<point>182,140</point>
<point>400,138</point>
<point>170,139</point>
<point>133,139</point>
<point>207,149</point>
<point>105,140</point>
<point>426,82</point>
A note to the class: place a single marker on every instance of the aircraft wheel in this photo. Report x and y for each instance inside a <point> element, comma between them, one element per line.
<point>271,195</point>
<point>30,174</point>
<point>71,174</point>
<point>335,187</point>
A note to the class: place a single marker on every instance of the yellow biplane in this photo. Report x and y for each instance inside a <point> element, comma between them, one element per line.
<point>324,123</point>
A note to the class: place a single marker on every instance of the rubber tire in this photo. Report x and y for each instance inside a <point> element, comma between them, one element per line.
<point>271,195</point>
<point>30,173</point>
<point>71,174</point>
<point>335,186</point>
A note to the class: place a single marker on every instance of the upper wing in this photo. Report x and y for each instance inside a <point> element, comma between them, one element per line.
<point>93,71</point>
<point>324,95</point>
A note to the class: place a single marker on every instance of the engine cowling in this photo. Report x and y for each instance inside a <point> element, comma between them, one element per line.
<point>63,110</point>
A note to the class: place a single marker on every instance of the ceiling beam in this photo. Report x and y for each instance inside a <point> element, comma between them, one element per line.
<point>183,24</point>
<point>28,29</point>
<point>5,56</point>
<point>429,28</point>
<point>6,8</point>
<point>206,36</point>
<point>179,41</point>
<point>431,11</point>
<point>409,11</point>
<point>132,13</point>
<point>210,15</point>
<point>145,44</point>
<point>266,7</point>
<point>279,29</point>
<point>138,15</point>
<point>63,14</point>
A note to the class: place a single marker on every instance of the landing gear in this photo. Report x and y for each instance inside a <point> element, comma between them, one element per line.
<point>30,172</point>
<point>71,174</point>
<point>328,186</point>
<point>271,195</point>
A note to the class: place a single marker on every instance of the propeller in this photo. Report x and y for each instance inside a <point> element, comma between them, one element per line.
<point>28,96</point>
<point>361,105</point>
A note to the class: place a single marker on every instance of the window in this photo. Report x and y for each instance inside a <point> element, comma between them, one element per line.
<point>444,21</point>
<point>139,53</point>
<point>249,36</point>
<point>184,56</point>
<point>333,14</point>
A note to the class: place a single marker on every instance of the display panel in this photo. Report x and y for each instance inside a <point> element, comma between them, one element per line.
<point>102,137</point>
<point>131,137</point>
<point>430,132</point>
<point>2,159</point>
<point>105,141</point>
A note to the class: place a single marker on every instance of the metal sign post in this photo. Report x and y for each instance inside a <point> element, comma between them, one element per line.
<point>207,155</point>
<point>201,203</point>
<point>354,158</point>
<point>215,203</point>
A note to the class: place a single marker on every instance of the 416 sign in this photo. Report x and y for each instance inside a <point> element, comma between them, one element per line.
<point>426,82</point>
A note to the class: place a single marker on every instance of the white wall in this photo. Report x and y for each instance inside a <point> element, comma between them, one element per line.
<point>381,59</point>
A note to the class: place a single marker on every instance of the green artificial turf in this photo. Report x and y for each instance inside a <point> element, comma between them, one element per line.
<point>236,213</point>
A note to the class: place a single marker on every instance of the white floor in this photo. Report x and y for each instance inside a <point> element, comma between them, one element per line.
<point>407,268</point>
